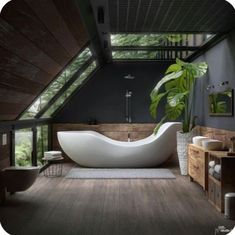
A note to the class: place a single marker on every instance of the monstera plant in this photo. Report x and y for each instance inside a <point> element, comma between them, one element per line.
<point>177,87</point>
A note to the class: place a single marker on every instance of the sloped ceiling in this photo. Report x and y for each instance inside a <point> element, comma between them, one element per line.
<point>38,38</point>
<point>170,16</point>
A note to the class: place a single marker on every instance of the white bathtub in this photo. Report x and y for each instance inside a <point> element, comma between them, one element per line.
<point>92,149</point>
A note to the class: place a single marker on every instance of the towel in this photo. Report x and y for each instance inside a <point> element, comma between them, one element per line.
<point>211,171</point>
<point>211,163</point>
<point>217,168</point>
<point>52,153</point>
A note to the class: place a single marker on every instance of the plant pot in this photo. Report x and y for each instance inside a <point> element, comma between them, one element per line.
<point>183,139</point>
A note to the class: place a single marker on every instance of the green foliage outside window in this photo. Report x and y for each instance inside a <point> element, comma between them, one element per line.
<point>23,147</point>
<point>42,143</point>
<point>55,86</point>
<point>70,90</point>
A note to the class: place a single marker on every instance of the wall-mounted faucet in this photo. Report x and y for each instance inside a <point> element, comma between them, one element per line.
<point>128,105</point>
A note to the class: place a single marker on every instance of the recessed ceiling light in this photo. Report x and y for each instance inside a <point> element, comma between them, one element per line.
<point>3,3</point>
<point>232,2</point>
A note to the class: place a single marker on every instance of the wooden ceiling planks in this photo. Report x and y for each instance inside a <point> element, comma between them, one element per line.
<point>22,18</point>
<point>70,14</point>
<point>18,67</point>
<point>17,44</point>
<point>20,84</point>
<point>45,9</point>
<point>37,40</point>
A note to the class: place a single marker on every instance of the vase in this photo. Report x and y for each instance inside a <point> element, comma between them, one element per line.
<point>183,139</point>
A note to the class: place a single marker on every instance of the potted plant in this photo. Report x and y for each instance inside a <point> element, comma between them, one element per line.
<point>177,87</point>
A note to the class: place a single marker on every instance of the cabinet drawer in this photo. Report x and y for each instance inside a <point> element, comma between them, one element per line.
<point>218,196</point>
<point>211,191</point>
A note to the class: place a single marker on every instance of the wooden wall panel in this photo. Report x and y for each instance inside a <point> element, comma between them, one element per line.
<point>4,161</point>
<point>21,17</point>
<point>45,9</point>
<point>219,134</point>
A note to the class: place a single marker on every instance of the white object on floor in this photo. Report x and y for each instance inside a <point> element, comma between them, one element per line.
<point>211,164</point>
<point>218,168</point>
<point>92,149</point>
<point>197,140</point>
<point>212,144</point>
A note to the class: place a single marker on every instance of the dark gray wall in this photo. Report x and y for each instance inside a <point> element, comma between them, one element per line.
<point>103,96</point>
<point>221,61</point>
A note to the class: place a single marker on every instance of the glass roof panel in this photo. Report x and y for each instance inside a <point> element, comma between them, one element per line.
<point>159,39</point>
<point>77,83</point>
<point>57,84</point>
<point>149,55</point>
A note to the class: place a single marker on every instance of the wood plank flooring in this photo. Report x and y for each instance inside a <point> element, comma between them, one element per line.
<point>111,207</point>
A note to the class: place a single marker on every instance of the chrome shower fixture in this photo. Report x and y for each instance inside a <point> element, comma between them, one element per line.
<point>129,77</point>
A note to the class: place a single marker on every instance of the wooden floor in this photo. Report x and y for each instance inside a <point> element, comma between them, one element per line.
<point>55,206</point>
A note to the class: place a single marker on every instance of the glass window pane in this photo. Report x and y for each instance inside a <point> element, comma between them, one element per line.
<point>42,143</point>
<point>134,54</point>
<point>55,86</point>
<point>71,89</point>
<point>159,39</point>
<point>23,147</point>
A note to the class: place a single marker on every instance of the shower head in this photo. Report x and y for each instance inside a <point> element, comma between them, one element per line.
<point>129,77</point>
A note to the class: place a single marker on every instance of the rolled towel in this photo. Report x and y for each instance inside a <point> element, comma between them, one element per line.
<point>217,168</point>
<point>52,153</point>
<point>211,171</point>
<point>211,163</point>
<point>217,176</point>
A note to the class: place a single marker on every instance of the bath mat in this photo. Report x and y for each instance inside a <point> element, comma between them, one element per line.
<point>124,173</point>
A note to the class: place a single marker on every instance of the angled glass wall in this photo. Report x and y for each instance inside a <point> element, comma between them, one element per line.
<point>156,46</point>
<point>68,92</point>
<point>57,84</point>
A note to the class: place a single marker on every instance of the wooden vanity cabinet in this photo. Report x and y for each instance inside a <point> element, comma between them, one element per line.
<point>218,188</point>
<point>197,165</point>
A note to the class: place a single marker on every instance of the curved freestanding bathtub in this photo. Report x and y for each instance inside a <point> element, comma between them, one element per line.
<point>92,149</point>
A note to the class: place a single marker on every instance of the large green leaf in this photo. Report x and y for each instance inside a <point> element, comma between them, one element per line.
<point>175,97</point>
<point>167,78</point>
<point>173,113</point>
<point>173,68</point>
<point>155,102</point>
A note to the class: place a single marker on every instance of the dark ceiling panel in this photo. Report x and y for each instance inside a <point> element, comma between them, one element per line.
<point>47,12</point>
<point>10,108</point>
<point>13,41</point>
<point>170,16</point>
<point>20,84</point>
<point>21,17</point>
<point>16,66</point>
<point>37,41</point>
<point>11,96</point>
<point>70,13</point>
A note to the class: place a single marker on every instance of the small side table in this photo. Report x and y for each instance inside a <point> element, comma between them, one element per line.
<point>55,167</point>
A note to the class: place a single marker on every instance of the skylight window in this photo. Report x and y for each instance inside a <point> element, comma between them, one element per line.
<point>77,83</point>
<point>56,85</point>
<point>155,46</point>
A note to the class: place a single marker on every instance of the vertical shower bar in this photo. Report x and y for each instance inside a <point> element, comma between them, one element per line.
<point>127,105</point>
